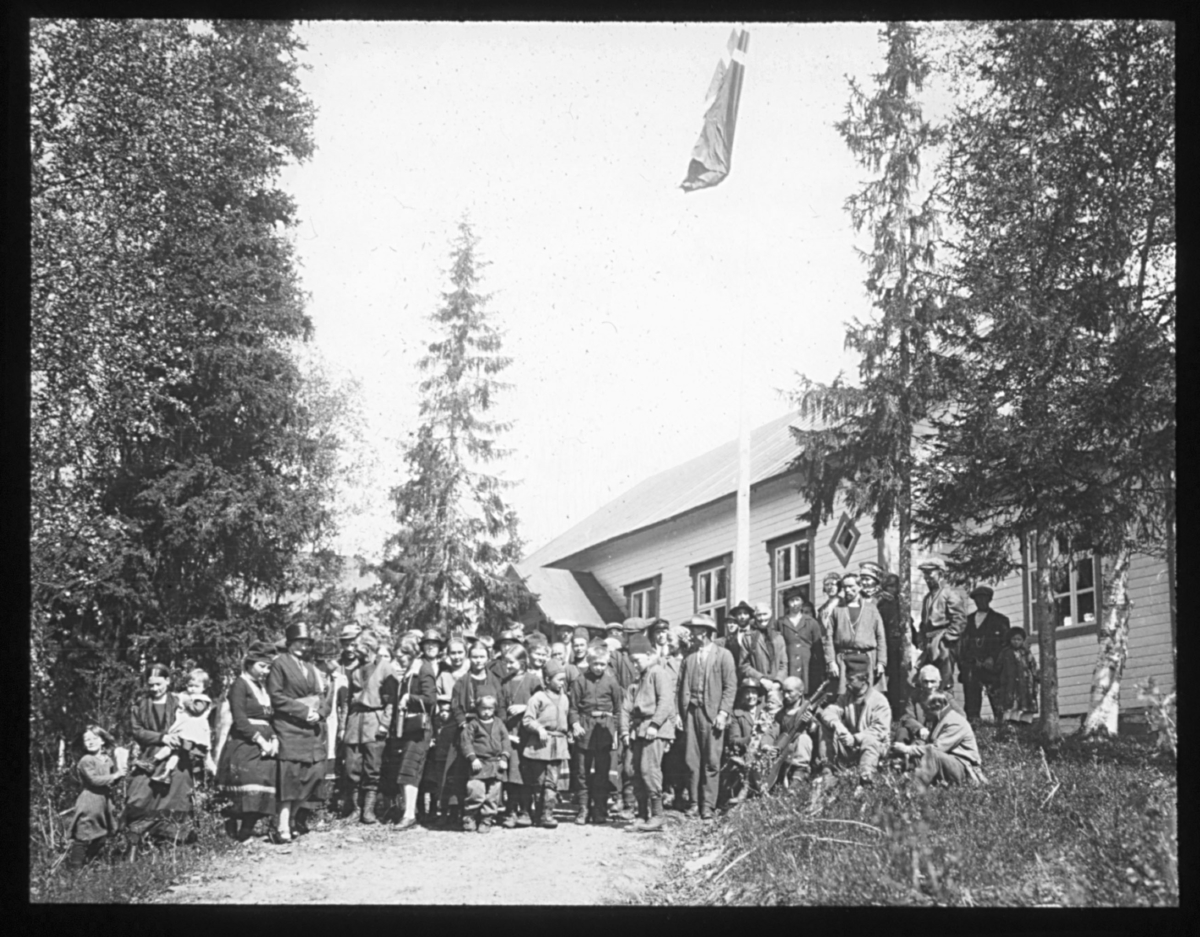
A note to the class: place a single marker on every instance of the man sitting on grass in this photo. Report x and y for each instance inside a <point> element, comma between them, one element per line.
<point>856,729</point>
<point>951,754</point>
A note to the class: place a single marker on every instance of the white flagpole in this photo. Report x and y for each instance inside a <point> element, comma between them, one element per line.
<point>741,555</point>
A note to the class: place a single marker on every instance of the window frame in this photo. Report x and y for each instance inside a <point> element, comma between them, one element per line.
<point>1028,590</point>
<point>717,609</point>
<point>653,585</point>
<point>807,536</point>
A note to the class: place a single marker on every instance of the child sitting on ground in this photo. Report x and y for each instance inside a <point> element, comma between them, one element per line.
<point>1019,679</point>
<point>93,819</point>
<point>484,743</point>
<point>191,725</point>
<point>743,744</point>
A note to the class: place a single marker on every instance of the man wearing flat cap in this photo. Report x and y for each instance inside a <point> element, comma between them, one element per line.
<point>855,628</point>
<point>982,641</point>
<point>856,729</point>
<point>372,691</point>
<point>705,694</point>
<point>943,619</point>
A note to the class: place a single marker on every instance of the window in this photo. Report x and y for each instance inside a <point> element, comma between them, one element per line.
<point>710,586</point>
<point>845,539</point>
<point>641,598</point>
<point>791,567</point>
<point>1076,598</point>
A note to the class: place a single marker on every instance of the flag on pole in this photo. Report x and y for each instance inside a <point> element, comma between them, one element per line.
<point>713,152</point>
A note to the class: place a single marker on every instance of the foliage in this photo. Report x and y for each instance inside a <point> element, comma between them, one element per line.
<point>1107,837</point>
<point>456,536</point>
<point>1060,329</point>
<point>862,447</point>
<point>1161,715</point>
<point>173,463</point>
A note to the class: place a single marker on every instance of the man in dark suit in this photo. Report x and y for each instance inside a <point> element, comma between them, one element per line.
<point>706,688</point>
<point>979,654</point>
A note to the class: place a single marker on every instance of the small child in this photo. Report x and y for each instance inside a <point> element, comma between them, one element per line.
<point>515,692</point>
<point>743,742</point>
<point>191,725</point>
<point>93,819</point>
<point>484,743</point>
<point>1019,679</point>
<point>545,743</point>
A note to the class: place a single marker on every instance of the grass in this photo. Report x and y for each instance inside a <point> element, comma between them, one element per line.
<point>1094,826</point>
<point>110,879</point>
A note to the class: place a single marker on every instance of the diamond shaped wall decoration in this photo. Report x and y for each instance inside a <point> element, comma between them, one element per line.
<point>845,539</point>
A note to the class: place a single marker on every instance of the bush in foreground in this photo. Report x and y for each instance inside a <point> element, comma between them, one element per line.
<point>1096,826</point>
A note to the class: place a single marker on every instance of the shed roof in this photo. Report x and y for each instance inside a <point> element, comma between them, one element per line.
<point>569,597</point>
<point>678,490</point>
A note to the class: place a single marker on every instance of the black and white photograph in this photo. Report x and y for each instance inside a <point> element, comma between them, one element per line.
<point>599,464</point>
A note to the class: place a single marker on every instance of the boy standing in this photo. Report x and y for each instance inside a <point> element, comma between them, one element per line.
<point>485,747</point>
<point>594,703</point>
<point>651,728</point>
<point>545,748</point>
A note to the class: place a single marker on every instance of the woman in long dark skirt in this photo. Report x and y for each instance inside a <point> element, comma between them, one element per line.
<point>411,733</point>
<point>477,682</point>
<point>158,810</point>
<point>248,765</point>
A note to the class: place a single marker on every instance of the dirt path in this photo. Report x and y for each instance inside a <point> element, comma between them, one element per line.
<point>354,864</point>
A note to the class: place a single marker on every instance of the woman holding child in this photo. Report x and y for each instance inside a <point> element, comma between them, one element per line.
<point>158,808</point>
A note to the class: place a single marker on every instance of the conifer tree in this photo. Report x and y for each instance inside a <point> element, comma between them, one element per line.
<point>862,446</point>
<point>456,536</point>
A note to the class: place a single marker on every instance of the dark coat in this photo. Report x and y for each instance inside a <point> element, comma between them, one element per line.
<point>290,682</point>
<point>805,653</point>
<point>588,696</point>
<point>487,743</point>
<point>720,682</point>
<point>981,645</point>
<point>753,655</point>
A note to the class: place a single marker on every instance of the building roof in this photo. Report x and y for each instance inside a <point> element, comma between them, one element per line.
<point>567,597</point>
<point>693,484</point>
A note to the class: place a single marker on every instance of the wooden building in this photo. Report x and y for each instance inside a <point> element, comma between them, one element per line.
<point>665,547</point>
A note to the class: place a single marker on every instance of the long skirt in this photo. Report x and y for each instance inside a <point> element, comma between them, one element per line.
<point>93,817</point>
<point>248,778</point>
<point>160,809</point>
<point>404,762</point>
<point>302,780</point>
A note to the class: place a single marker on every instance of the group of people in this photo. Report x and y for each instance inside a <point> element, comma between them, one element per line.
<point>625,720</point>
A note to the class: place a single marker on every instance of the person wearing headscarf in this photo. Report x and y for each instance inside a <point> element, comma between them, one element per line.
<point>247,768</point>
<point>300,705</point>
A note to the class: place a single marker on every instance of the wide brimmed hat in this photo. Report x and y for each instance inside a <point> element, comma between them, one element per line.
<point>982,590</point>
<point>857,665</point>
<point>639,644</point>
<point>934,563</point>
<point>635,625</point>
<point>350,631</point>
<point>700,621</point>
<point>432,636</point>
<point>260,652</point>
<point>743,605</point>
<point>297,631</point>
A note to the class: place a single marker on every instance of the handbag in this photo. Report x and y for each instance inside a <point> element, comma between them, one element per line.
<point>415,723</point>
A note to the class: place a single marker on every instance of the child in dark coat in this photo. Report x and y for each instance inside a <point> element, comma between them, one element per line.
<point>515,693</point>
<point>485,747</point>
<point>93,819</point>
<point>1019,679</point>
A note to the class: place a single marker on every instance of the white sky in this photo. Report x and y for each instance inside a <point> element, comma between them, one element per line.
<point>623,299</point>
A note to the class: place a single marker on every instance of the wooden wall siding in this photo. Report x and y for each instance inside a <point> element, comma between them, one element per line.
<point>671,548</point>
<point>708,533</point>
<point>1149,638</point>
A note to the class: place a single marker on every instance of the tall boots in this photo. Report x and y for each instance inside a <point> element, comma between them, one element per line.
<point>581,808</point>
<point>655,823</point>
<point>546,819</point>
<point>367,814</point>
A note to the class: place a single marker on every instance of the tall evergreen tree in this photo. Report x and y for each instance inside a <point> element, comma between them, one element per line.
<point>863,445</point>
<point>446,563</point>
<point>1061,178</point>
<point>172,466</point>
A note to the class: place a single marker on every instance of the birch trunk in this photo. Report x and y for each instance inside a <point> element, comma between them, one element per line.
<point>1113,638</point>
<point>1043,616</point>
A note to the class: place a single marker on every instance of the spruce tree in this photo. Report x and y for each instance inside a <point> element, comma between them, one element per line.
<point>446,563</point>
